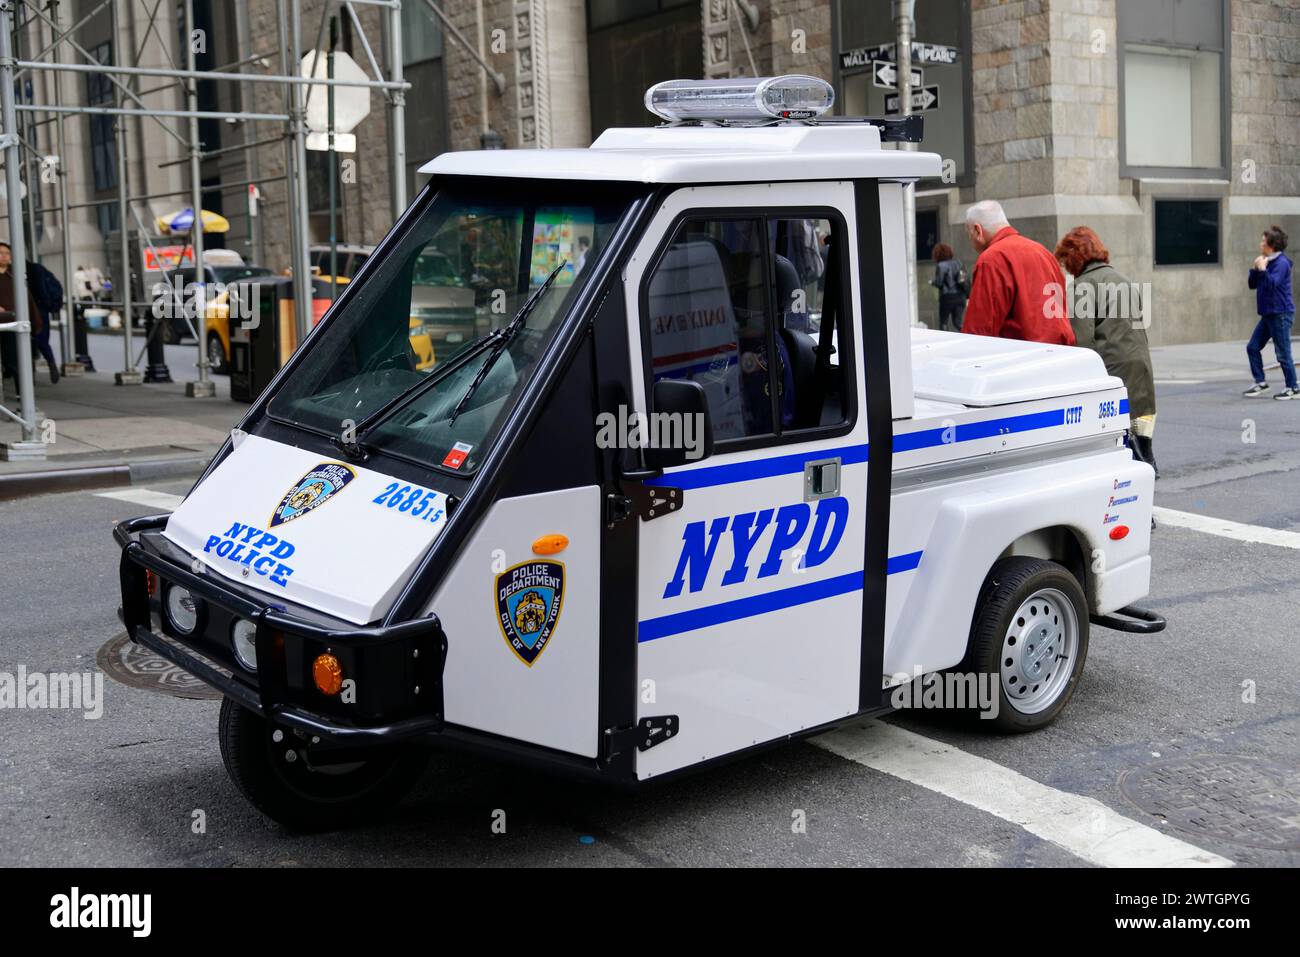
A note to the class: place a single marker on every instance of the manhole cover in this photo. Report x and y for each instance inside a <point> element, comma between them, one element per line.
<point>138,667</point>
<point>1237,799</point>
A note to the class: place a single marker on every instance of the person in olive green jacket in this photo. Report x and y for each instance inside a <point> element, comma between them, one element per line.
<point>1107,314</point>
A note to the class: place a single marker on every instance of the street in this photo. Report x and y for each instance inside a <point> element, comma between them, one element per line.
<point>1178,748</point>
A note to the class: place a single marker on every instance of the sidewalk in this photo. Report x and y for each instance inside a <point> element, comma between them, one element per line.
<point>1211,360</point>
<point>105,434</point>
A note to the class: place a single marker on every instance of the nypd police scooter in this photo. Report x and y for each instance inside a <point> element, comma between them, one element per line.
<point>701,489</point>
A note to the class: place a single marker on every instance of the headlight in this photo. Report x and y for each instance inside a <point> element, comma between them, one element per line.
<point>182,610</point>
<point>243,636</point>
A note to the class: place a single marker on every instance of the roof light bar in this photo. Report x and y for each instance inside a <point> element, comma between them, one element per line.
<point>741,99</point>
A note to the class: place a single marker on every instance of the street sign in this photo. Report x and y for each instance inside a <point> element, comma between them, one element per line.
<point>922,54</point>
<point>351,103</point>
<point>885,74</point>
<point>923,100</point>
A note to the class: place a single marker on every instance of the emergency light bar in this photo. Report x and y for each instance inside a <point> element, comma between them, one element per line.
<point>741,99</point>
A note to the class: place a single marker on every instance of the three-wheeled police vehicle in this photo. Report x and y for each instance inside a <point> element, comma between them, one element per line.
<point>700,488</point>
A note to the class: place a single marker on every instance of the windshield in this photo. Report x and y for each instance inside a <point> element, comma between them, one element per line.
<point>486,244</point>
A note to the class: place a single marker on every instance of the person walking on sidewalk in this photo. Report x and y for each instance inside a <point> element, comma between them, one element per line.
<point>1018,289</point>
<point>47,291</point>
<point>950,280</point>
<point>1107,315</point>
<point>8,340</point>
<point>1270,277</point>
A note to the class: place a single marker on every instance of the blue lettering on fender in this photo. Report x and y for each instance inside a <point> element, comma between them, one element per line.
<point>245,545</point>
<point>790,524</point>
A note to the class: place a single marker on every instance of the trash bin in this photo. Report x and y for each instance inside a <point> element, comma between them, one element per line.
<point>257,352</point>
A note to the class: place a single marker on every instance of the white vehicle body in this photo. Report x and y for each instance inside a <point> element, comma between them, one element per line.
<point>753,608</point>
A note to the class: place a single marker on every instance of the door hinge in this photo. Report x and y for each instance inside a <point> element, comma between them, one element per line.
<point>651,502</point>
<point>645,501</point>
<point>644,735</point>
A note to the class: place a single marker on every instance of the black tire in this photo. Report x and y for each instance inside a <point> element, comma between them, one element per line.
<point>215,348</point>
<point>303,798</point>
<point>1009,587</point>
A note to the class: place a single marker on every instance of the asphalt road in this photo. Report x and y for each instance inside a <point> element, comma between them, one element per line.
<point>1193,734</point>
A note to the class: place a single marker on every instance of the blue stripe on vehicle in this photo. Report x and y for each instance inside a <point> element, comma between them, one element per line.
<point>973,431</point>
<point>757,468</point>
<point>754,605</point>
<point>902,563</point>
<point>854,454</point>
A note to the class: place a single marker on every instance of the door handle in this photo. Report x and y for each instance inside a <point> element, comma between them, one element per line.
<point>821,479</point>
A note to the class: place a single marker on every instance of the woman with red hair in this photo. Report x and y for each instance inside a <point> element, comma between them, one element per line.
<point>1109,315</point>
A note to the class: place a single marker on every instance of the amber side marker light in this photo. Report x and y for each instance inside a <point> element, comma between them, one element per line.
<point>327,673</point>
<point>550,544</point>
<point>1118,532</point>
<point>151,583</point>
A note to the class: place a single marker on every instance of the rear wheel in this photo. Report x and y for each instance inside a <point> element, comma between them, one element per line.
<point>1029,639</point>
<point>273,769</point>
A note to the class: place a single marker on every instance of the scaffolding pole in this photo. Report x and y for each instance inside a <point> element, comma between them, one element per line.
<point>73,364</point>
<point>205,388</point>
<point>28,447</point>
<point>129,375</point>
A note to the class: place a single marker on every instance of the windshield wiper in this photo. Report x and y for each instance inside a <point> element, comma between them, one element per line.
<point>495,340</point>
<point>503,339</point>
<point>354,449</point>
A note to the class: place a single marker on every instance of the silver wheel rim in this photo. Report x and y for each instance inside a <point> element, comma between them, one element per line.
<point>1038,651</point>
<point>216,356</point>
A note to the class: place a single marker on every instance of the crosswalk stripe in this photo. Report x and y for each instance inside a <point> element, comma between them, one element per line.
<point>1259,534</point>
<point>144,496</point>
<point>1081,825</point>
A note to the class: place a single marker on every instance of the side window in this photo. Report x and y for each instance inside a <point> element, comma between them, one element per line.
<point>750,308</point>
<point>708,316</point>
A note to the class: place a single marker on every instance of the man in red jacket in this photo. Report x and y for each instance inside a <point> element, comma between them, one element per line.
<point>1018,290</point>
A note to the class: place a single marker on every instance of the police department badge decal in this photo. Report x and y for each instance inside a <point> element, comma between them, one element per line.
<point>528,598</point>
<point>312,491</point>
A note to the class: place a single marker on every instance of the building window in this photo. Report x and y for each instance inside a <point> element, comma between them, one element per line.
<point>632,45</point>
<point>1187,232</point>
<point>103,150</point>
<point>927,233</point>
<point>426,111</point>
<point>1173,83</point>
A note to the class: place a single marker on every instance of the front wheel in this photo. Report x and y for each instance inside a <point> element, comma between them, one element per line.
<point>274,770</point>
<point>216,354</point>
<point>1030,640</point>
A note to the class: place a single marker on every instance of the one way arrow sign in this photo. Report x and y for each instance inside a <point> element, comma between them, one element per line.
<point>923,100</point>
<point>885,74</point>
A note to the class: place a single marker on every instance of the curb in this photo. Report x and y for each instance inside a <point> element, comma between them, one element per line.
<point>79,479</point>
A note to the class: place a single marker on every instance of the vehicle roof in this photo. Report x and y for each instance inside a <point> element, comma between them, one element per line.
<point>705,154</point>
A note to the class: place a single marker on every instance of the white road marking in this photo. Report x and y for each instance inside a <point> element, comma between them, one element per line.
<point>146,497</point>
<point>1258,534</point>
<point>1081,825</point>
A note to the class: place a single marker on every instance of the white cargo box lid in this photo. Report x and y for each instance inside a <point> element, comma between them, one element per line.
<point>985,371</point>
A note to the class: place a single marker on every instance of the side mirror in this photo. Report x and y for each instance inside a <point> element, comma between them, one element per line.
<point>680,431</point>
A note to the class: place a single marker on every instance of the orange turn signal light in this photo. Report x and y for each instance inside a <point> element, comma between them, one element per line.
<point>328,674</point>
<point>1118,532</point>
<point>550,544</point>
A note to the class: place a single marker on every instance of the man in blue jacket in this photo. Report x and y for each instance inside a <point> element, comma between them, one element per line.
<point>1271,280</point>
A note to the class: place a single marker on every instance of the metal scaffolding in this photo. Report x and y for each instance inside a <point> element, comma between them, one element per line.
<point>20,17</point>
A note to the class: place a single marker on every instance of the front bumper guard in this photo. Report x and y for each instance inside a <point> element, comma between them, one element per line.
<point>402,663</point>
